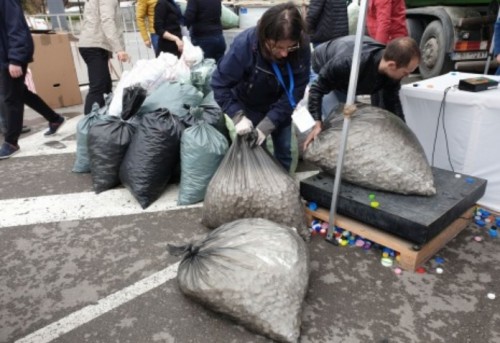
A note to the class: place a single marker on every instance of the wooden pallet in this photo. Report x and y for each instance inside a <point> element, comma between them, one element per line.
<point>411,255</point>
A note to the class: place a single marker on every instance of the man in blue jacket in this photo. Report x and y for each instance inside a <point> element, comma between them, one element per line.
<point>264,75</point>
<point>16,51</point>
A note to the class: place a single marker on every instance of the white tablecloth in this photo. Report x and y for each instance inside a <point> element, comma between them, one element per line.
<point>471,123</point>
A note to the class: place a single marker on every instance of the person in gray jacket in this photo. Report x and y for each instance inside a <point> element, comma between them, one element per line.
<point>327,20</point>
<point>101,35</point>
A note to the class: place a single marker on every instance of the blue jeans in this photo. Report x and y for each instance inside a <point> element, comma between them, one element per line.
<point>154,42</point>
<point>331,102</point>
<point>282,144</point>
<point>212,46</point>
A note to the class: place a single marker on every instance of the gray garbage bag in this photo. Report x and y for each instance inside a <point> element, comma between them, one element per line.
<point>201,75</point>
<point>82,161</point>
<point>253,270</point>
<point>174,96</point>
<point>202,150</point>
<point>382,153</point>
<point>250,183</point>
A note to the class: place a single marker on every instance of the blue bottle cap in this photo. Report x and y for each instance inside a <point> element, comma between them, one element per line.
<point>469,180</point>
<point>312,206</point>
<point>439,260</point>
<point>480,223</point>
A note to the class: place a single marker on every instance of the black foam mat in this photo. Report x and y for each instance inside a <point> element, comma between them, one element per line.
<point>414,218</point>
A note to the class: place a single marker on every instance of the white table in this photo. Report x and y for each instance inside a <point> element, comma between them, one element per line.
<point>472,124</point>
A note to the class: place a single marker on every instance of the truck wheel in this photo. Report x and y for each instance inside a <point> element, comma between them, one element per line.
<point>433,46</point>
<point>415,29</point>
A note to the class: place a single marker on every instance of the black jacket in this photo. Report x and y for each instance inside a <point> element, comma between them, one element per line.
<point>327,19</point>
<point>202,17</point>
<point>167,18</point>
<point>16,43</point>
<point>332,61</point>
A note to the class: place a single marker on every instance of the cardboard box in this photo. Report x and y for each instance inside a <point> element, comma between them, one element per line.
<point>54,72</point>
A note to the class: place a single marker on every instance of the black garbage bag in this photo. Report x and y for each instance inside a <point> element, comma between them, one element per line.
<point>253,270</point>
<point>250,183</point>
<point>382,152</point>
<point>107,143</point>
<point>133,97</point>
<point>211,113</point>
<point>152,156</point>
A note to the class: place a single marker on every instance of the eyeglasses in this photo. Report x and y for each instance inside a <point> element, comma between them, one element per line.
<point>288,49</point>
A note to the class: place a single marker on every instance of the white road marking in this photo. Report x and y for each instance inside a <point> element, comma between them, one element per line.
<point>80,206</point>
<point>111,302</point>
<point>36,144</point>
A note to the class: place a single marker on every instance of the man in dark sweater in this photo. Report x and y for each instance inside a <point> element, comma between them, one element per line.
<point>327,20</point>
<point>381,68</point>
<point>16,51</point>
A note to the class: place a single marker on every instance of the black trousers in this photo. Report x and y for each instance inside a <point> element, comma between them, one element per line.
<point>100,82</point>
<point>14,95</point>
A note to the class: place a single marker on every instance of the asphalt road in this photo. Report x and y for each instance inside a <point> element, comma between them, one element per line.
<point>80,267</point>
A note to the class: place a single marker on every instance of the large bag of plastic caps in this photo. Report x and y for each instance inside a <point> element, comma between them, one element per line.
<point>82,162</point>
<point>107,143</point>
<point>250,183</point>
<point>152,156</point>
<point>252,270</point>
<point>211,114</point>
<point>382,153</point>
<point>174,96</point>
<point>202,150</point>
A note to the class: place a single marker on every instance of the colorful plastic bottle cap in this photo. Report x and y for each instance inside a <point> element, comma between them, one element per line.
<point>478,238</point>
<point>323,232</point>
<point>420,270</point>
<point>386,261</point>
<point>493,232</point>
<point>439,260</point>
<point>458,176</point>
<point>344,242</point>
<point>480,223</point>
<point>469,180</point>
<point>360,243</point>
<point>371,196</point>
<point>398,270</point>
<point>439,270</point>
<point>312,206</point>
<point>491,296</point>
<point>316,227</point>
<point>375,204</point>
<point>325,225</point>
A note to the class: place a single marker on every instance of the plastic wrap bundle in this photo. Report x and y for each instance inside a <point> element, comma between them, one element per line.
<point>108,142</point>
<point>253,270</point>
<point>202,150</point>
<point>152,157</point>
<point>251,184</point>
<point>382,153</point>
<point>82,162</point>
<point>201,75</point>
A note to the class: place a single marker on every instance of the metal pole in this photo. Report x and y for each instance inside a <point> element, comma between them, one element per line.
<point>348,110</point>
<point>492,45</point>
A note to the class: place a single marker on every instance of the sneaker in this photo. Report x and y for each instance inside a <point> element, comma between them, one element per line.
<point>25,129</point>
<point>54,127</point>
<point>7,150</point>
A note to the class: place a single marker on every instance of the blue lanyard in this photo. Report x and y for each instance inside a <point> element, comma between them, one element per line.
<point>289,92</point>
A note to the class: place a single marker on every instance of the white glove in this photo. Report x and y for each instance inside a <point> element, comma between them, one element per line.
<point>244,126</point>
<point>261,137</point>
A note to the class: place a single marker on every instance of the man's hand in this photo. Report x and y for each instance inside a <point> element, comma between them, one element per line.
<point>15,71</point>
<point>313,134</point>
<point>122,56</point>
<point>498,58</point>
<point>244,126</point>
<point>148,43</point>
